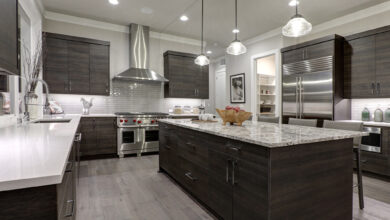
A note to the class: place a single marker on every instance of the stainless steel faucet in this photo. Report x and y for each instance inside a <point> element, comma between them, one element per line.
<point>46,109</point>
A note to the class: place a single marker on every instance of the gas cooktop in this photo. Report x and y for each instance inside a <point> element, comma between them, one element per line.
<point>140,113</point>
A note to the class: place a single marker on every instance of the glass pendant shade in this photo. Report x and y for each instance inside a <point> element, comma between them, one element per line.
<point>236,48</point>
<point>202,60</point>
<point>297,26</point>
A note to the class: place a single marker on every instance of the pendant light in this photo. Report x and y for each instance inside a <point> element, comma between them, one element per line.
<point>297,26</point>
<point>236,47</point>
<point>202,60</point>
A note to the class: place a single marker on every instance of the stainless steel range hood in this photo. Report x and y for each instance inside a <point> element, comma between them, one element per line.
<point>139,58</point>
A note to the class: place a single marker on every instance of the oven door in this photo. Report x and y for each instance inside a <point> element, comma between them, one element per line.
<point>151,134</point>
<point>372,142</point>
<point>130,140</point>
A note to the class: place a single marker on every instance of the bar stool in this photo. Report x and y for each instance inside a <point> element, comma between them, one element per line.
<point>352,126</point>
<point>303,122</point>
<point>268,119</point>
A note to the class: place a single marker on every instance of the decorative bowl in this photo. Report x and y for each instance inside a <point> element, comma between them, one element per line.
<point>234,117</point>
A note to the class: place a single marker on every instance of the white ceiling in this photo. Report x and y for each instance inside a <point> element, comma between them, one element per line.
<point>255,16</point>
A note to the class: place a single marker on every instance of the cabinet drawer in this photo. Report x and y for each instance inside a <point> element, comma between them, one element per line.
<point>65,200</point>
<point>374,163</point>
<point>194,178</point>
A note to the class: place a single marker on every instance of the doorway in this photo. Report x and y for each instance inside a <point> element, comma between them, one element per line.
<point>220,88</point>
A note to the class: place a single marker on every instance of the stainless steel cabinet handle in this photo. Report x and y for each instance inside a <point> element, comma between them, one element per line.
<point>378,88</point>
<point>189,176</point>
<point>300,97</point>
<point>236,149</point>
<point>78,137</point>
<point>227,170</point>
<point>234,164</point>
<point>373,88</point>
<point>70,202</point>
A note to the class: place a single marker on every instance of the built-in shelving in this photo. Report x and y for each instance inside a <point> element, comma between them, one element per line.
<point>266,86</point>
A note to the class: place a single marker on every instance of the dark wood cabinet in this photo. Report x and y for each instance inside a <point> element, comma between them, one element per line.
<point>99,67</point>
<point>78,67</point>
<point>186,79</point>
<point>9,36</point>
<point>3,84</point>
<point>359,68</point>
<point>99,137</point>
<point>75,65</point>
<point>367,62</point>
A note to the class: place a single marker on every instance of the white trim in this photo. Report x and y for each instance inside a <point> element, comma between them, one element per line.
<point>277,81</point>
<point>364,13</point>
<point>40,6</point>
<point>114,27</point>
<point>358,15</point>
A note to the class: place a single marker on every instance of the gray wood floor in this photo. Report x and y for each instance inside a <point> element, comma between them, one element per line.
<point>131,189</point>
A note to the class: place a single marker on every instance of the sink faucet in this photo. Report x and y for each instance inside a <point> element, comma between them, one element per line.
<point>27,97</point>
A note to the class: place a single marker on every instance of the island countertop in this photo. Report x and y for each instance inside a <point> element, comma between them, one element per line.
<point>267,134</point>
<point>35,154</point>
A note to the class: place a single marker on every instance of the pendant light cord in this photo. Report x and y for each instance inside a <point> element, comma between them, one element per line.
<point>201,49</point>
<point>296,7</point>
<point>236,21</point>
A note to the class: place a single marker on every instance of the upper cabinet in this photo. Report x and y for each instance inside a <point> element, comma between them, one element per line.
<point>186,79</point>
<point>367,64</point>
<point>75,65</point>
<point>9,36</point>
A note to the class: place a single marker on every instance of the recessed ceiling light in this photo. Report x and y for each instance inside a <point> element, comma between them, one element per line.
<point>147,10</point>
<point>184,18</point>
<point>113,2</point>
<point>293,3</point>
<point>209,52</point>
<point>236,31</point>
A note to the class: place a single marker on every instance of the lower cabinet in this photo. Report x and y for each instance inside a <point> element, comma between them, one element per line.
<point>44,202</point>
<point>99,137</point>
<point>226,176</point>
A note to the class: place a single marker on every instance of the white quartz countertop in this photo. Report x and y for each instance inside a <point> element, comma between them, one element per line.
<point>34,155</point>
<point>267,134</point>
<point>372,123</point>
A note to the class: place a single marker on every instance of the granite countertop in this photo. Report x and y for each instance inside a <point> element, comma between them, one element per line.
<point>34,155</point>
<point>267,134</point>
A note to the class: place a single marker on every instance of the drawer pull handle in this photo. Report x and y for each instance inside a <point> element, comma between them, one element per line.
<point>235,148</point>
<point>191,145</point>
<point>78,137</point>
<point>70,202</point>
<point>189,176</point>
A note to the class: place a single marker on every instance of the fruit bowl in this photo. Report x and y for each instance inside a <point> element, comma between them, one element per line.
<point>232,116</point>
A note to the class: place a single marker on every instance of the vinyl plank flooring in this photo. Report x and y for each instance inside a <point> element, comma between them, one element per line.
<point>131,189</point>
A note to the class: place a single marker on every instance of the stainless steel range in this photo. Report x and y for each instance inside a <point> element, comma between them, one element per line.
<point>138,132</point>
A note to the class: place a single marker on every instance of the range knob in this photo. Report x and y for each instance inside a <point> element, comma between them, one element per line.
<point>121,121</point>
<point>152,121</point>
<point>134,121</point>
<point>139,122</point>
<point>126,120</point>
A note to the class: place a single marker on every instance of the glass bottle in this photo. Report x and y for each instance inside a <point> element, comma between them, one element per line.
<point>365,114</point>
<point>387,114</point>
<point>378,115</point>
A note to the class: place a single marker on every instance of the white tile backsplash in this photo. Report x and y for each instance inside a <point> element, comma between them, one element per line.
<point>357,106</point>
<point>125,97</point>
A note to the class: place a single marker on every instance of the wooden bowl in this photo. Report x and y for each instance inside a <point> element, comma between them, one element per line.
<point>232,116</point>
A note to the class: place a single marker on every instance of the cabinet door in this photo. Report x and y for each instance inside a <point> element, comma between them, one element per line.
<point>99,69</point>
<point>78,67</point>
<point>55,66</point>
<point>3,84</point>
<point>182,77</point>
<point>203,85</point>
<point>319,50</point>
<point>382,64</point>
<point>106,131</point>
<point>359,68</point>
<point>220,188</point>
<point>9,36</point>
<point>89,138</point>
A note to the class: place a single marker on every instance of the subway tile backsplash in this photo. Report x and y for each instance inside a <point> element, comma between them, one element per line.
<point>125,97</point>
<point>372,104</point>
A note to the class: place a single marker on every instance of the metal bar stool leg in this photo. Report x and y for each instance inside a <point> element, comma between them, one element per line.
<point>359,178</point>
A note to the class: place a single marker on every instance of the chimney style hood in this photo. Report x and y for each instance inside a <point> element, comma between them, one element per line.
<point>139,58</point>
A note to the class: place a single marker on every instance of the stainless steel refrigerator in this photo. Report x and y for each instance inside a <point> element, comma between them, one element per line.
<point>313,90</point>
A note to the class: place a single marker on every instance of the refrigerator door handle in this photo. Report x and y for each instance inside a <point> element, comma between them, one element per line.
<point>297,102</point>
<point>300,97</point>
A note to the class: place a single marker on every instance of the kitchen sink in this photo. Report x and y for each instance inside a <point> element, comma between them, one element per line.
<point>52,121</point>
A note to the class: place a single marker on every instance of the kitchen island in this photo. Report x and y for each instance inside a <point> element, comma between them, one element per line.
<point>261,170</point>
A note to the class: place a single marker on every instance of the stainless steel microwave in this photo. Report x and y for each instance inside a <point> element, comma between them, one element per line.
<point>372,142</point>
